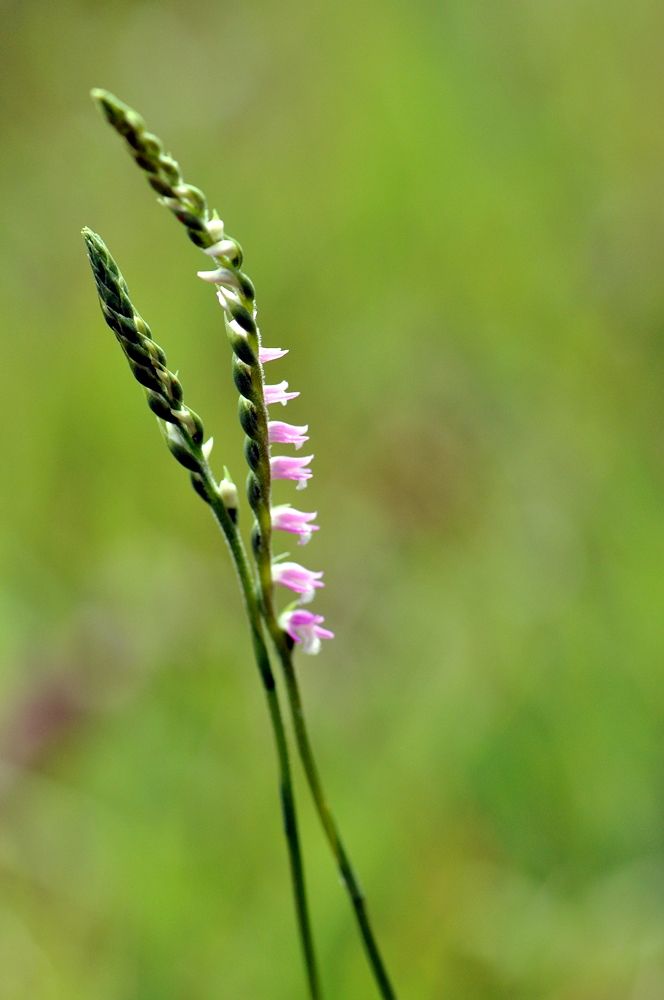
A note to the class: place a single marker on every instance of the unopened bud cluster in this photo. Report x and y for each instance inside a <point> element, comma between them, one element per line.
<point>188,203</point>
<point>183,428</point>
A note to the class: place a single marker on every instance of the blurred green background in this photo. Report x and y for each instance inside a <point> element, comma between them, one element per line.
<point>454,216</point>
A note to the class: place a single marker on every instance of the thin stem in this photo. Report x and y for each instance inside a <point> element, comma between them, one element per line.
<point>235,544</point>
<point>263,558</point>
<point>261,538</point>
<point>346,871</point>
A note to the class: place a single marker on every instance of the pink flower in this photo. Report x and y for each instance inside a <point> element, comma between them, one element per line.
<point>290,467</point>
<point>303,626</point>
<point>302,581</point>
<point>286,518</point>
<point>280,433</point>
<point>278,394</point>
<point>266,354</point>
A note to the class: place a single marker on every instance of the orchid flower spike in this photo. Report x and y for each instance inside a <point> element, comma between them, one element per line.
<point>303,626</point>
<point>286,518</point>
<point>303,581</point>
<point>280,433</point>
<point>278,394</point>
<point>291,467</point>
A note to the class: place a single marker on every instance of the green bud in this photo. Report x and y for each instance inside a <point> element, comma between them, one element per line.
<point>180,450</point>
<point>248,417</point>
<point>256,540</point>
<point>242,378</point>
<point>134,352</point>
<point>159,405</point>
<point>252,453</point>
<point>201,240</point>
<point>156,353</point>
<point>233,253</point>
<point>199,485</point>
<point>146,376</point>
<point>161,186</point>
<point>194,425</point>
<point>187,218</point>
<point>246,286</point>
<point>240,345</point>
<point>171,169</point>
<point>243,318</point>
<point>195,197</point>
<point>152,145</point>
<point>254,492</point>
<point>174,385</point>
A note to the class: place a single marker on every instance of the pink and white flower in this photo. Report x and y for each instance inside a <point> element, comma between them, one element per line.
<point>286,518</point>
<point>303,626</point>
<point>279,432</point>
<point>302,581</point>
<point>266,354</point>
<point>290,467</point>
<point>278,394</point>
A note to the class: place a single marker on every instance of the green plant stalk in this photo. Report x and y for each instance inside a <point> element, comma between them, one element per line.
<point>258,456</point>
<point>239,557</point>
<point>183,430</point>
<point>250,383</point>
<point>348,876</point>
<point>259,461</point>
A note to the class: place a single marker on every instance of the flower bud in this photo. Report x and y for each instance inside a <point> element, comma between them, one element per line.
<point>252,453</point>
<point>254,492</point>
<point>248,417</point>
<point>228,493</point>
<point>242,378</point>
<point>215,228</point>
<point>179,449</point>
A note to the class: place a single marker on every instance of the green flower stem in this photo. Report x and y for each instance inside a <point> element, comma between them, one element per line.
<point>240,562</point>
<point>348,876</point>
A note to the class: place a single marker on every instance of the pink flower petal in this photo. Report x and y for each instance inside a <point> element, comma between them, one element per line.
<point>266,354</point>
<point>278,394</point>
<point>279,432</point>
<point>304,627</point>
<point>286,518</point>
<point>302,581</point>
<point>291,467</point>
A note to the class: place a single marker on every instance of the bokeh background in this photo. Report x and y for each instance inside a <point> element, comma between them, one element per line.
<point>454,216</point>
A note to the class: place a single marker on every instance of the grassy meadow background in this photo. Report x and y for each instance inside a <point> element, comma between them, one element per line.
<point>454,216</point>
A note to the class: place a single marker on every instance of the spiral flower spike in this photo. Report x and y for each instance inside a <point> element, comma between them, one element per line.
<point>182,427</point>
<point>186,202</point>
